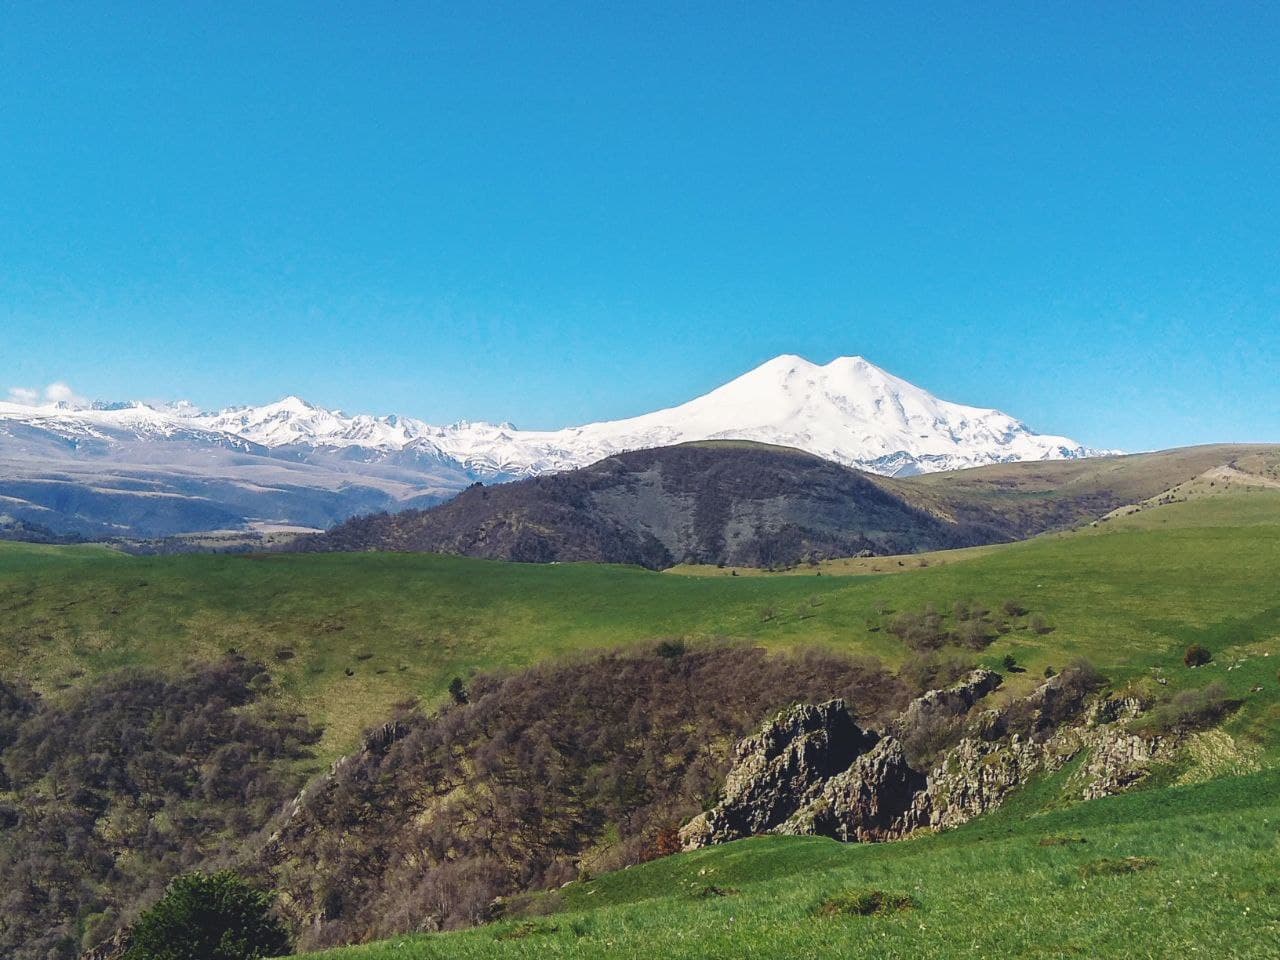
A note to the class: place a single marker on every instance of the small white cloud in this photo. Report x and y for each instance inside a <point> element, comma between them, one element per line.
<point>24,395</point>
<point>57,392</point>
<point>61,392</point>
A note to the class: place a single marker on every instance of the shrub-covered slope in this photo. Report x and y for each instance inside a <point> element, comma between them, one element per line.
<point>594,764</point>
<point>108,793</point>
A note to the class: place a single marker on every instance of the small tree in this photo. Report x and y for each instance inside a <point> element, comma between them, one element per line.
<point>458,691</point>
<point>671,649</point>
<point>1196,656</point>
<point>209,917</point>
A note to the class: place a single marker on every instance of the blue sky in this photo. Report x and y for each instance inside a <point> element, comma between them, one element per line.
<point>1070,211</point>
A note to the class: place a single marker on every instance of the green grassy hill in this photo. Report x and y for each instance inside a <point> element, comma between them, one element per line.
<point>1180,871</point>
<point>348,635</point>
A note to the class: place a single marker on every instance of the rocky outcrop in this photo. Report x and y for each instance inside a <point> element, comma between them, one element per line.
<point>975,777</point>
<point>811,771</point>
<point>954,701</point>
<point>1119,760</point>
<point>114,949</point>
<point>780,770</point>
<point>869,801</point>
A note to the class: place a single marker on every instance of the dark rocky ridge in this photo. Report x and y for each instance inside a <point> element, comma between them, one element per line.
<point>719,502</point>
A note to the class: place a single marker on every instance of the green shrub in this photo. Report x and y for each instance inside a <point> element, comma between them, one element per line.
<point>1189,710</point>
<point>1109,867</point>
<point>458,691</point>
<point>863,903</point>
<point>209,917</point>
<point>1197,656</point>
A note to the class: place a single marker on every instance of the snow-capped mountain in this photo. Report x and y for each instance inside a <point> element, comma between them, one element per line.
<point>849,411</point>
<point>265,464</point>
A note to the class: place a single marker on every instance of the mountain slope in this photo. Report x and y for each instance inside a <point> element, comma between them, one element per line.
<point>715,502</point>
<point>849,411</point>
<point>133,470</point>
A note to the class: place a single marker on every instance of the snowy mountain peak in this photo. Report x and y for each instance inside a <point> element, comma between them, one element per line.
<point>848,410</point>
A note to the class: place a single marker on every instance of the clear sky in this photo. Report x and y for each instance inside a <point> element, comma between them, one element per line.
<point>552,214</point>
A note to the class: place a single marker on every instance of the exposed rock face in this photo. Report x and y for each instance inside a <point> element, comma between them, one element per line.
<point>868,801</point>
<point>1118,761</point>
<point>975,777</point>
<point>811,771</point>
<point>953,701</point>
<point>780,770</point>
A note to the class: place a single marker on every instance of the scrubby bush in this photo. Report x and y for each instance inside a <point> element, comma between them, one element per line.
<point>1197,656</point>
<point>863,903</point>
<point>1190,709</point>
<point>976,634</point>
<point>209,917</point>
<point>933,671</point>
<point>920,631</point>
<point>1013,608</point>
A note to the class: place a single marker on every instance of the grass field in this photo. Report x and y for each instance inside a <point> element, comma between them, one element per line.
<point>1180,871</point>
<point>348,635</point>
<point>1187,868</point>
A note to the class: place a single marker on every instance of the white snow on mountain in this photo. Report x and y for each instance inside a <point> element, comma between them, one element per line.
<point>849,410</point>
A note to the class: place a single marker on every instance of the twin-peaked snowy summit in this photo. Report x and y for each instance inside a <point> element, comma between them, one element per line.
<point>848,410</point>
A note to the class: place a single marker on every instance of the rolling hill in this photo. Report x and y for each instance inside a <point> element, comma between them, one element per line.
<point>726,502</point>
<point>742,504</point>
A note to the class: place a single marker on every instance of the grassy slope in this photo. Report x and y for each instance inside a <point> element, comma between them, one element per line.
<point>986,890</point>
<point>1130,594</point>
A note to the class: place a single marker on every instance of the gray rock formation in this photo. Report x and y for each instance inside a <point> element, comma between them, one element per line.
<point>954,701</point>
<point>869,801</point>
<point>780,770</point>
<point>812,771</point>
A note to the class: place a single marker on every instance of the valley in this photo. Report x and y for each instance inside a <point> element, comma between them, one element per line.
<point>346,641</point>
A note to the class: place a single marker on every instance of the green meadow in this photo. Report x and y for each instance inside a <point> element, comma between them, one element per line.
<point>1186,867</point>
<point>349,635</point>
<point>1179,871</point>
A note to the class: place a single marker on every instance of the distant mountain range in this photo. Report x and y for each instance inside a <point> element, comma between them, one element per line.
<point>130,469</point>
